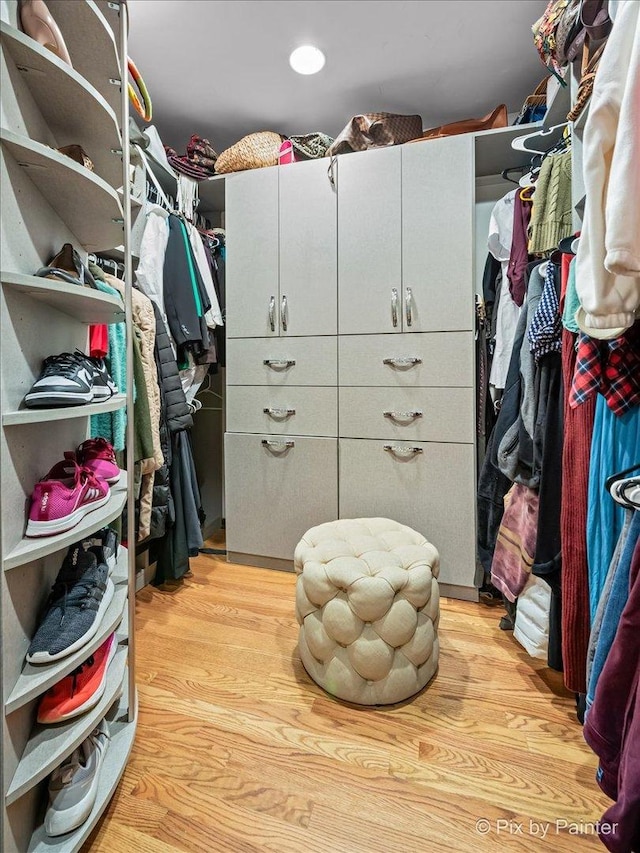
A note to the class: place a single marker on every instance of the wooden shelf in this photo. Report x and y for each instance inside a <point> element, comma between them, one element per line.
<point>91,44</point>
<point>48,746</point>
<point>65,99</point>
<point>34,680</point>
<point>494,152</point>
<point>122,734</point>
<point>84,201</point>
<point>82,303</point>
<point>37,416</point>
<point>28,550</point>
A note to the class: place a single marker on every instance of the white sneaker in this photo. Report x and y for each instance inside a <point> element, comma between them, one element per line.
<point>74,785</point>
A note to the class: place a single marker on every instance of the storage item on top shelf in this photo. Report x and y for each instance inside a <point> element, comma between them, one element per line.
<point>37,22</point>
<point>534,107</point>
<point>77,153</point>
<point>67,266</point>
<point>199,161</point>
<point>497,118</point>
<point>311,146</point>
<point>376,130</point>
<point>254,151</point>
<point>71,379</point>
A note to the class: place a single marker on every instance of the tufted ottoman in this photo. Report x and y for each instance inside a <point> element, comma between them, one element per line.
<point>367,602</point>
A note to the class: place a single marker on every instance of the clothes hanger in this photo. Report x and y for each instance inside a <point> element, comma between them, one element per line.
<point>538,141</point>
<point>206,388</point>
<point>617,486</point>
<point>506,172</point>
<point>523,193</point>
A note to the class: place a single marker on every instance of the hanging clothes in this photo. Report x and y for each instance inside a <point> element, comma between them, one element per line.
<point>519,254</point>
<point>153,246</point>
<point>552,213</point>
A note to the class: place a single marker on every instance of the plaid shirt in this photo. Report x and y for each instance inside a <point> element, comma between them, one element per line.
<point>610,367</point>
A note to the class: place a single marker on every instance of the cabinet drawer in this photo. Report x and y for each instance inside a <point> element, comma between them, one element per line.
<point>293,410</point>
<point>416,414</point>
<point>315,361</point>
<point>275,494</point>
<point>439,359</point>
<point>432,491</point>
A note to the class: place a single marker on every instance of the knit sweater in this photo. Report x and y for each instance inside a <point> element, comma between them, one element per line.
<point>551,217</point>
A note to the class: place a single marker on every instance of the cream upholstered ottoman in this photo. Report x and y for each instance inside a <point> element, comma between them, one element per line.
<point>367,602</point>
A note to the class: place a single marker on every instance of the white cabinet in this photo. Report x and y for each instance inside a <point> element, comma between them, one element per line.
<point>282,252</point>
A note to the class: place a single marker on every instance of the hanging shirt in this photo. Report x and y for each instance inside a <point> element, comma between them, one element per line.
<point>545,331</point>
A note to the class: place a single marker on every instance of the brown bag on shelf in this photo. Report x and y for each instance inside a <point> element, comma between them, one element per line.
<point>376,130</point>
<point>497,118</point>
<point>254,151</point>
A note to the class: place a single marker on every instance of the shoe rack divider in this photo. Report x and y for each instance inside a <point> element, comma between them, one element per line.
<point>47,200</point>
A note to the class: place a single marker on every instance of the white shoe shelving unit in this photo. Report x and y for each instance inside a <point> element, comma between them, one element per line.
<point>47,200</point>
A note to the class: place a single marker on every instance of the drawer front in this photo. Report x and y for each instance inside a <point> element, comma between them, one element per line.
<point>432,491</point>
<point>415,414</point>
<point>438,359</point>
<point>315,361</point>
<point>274,494</point>
<point>291,411</point>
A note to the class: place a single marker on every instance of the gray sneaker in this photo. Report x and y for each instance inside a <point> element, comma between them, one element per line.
<point>74,785</point>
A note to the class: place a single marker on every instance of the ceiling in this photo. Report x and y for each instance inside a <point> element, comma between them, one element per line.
<point>220,68</point>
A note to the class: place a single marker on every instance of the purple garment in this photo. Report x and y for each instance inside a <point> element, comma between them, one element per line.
<point>519,255</point>
<point>612,726</point>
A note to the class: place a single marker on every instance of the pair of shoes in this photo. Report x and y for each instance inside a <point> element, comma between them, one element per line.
<point>73,786</point>
<point>81,690</point>
<point>67,266</point>
<point>73,488</point>
<point>36,21</point>
<point>76,605</point>
<point>71,379</point>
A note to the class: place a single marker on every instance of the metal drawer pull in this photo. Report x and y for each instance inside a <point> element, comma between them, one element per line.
<point>277,445</point>
<point>402,361</point>
<point>402,451</point>
<point>408,302</point>
<point>284,314</point>
<point>279,363</point>
<point>403,416</point>
<point>272,313</point>
<point>394,306</point>
<point>278,413</point>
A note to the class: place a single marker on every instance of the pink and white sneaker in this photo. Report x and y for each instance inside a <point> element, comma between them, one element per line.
<point>98,456</point>
<point>63,498</point>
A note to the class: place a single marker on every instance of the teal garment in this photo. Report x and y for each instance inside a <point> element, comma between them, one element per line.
<point>113,425</point>
<point>615,445</point>
<point>571,301</point>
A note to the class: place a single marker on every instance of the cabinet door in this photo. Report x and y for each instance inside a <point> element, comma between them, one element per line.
<point>252,254</point>
<point>369,241</point>
<point>308,251</point>
<point>437,234</point>
<point>431,490</point>
<point>275,492</point>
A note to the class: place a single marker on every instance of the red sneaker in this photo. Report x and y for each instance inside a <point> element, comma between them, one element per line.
<point>81,689</point>
<point>63,498</point>
<point>98,456</point>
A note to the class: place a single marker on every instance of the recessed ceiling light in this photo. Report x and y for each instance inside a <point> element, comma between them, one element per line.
<point>307,59</point>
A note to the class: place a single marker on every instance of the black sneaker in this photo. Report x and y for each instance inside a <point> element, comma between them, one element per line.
<point>76,606</point>
<point>65,380</point>
<point>103,385</point>
<point>107,540</point>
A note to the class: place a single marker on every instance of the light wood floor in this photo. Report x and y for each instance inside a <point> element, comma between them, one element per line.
<point>237,750</point>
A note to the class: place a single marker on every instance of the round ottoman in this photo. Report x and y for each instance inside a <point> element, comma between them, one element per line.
<point>367,603</point>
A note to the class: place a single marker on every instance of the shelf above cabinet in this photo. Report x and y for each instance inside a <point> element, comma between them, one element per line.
<point>84,201</point>
<point>494,152</point>
<point>65,99</point>
<point>48,746</point>
<point>36,416</point>
<point>34,680</point>
<point>81,303</point>
<point>121,738</point>
<point>212,194</point>
<point>28,550</point>
<point>91,44</point>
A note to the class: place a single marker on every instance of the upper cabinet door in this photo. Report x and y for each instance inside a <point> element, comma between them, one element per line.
<point>437,235</point>
<point>252,291</point>
<point>369,242</point>
<point>308,251</point>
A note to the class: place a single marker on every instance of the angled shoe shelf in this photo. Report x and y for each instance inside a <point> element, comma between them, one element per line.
<point>28,550</point>
<point>35,680</point>
<point>84,201</point>
<point>121,740</point>
<point>81,303</point>
<point>65,99</point>
<point>48,746</point>
<point>37,416</point>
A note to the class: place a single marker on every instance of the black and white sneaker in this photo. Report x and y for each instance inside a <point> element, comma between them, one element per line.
<point>103,385</point>
<point>65,380</point>
<point>107,539</point>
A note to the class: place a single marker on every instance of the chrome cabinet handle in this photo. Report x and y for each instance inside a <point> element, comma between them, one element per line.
<point>403,416</point>
<point>279,363</point>
<point>284,319</point>
<point>272,313</point>
<point>400,450</point>
<point>394,306</point>
<point>402,361</point>
<point>279,446</point>
<point>278,412</point>
<point>408,304</point>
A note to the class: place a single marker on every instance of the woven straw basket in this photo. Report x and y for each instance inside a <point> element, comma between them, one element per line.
<point>251,152</point>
